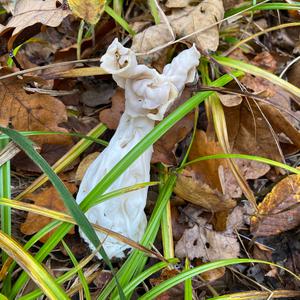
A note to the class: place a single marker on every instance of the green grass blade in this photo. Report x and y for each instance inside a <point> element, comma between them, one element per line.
<point>60,280</point>
<point>79,135</point>
<point>84,283</point>
<point>38,274</point>
<point>244,156</point>
<point>264,6</point>
<point>5,212</point>
<point>137,260</point>
<point>242,66</point>
<point>27,146</point>
<point>144,275</point>
<point>188,288</point>
<point>66,159</point>
<point>154,11</point>
<point>119,20</point>
<point>167,284</point>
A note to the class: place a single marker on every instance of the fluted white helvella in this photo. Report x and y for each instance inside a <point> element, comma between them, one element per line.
<point>148,95</point>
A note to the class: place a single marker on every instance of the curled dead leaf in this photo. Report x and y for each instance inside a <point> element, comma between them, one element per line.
<point>202,194</point>
<point>194,18</point>
<point>48,198</point>
<point>280,210</point>
<point>151,38</point>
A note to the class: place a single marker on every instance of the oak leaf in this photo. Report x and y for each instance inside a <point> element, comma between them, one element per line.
<point>280,209</point>
<point>48,198</point>
<point>27,13</point>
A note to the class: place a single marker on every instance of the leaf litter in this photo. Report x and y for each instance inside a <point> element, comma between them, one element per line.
<point>210,221</point>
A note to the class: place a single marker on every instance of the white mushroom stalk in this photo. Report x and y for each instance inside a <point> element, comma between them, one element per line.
<point>148,95</point>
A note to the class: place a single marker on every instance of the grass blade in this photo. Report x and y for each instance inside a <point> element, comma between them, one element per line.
<point>244,156</point>
<point>167,284</point>
<point>5,212</point>
<point>84,283</point>
<point>37,273</point>
<point>188,288</point>
<point>66,159</point>
<point>242,66</point>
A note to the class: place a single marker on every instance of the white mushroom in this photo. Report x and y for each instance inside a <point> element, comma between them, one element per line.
<point>148,95</point>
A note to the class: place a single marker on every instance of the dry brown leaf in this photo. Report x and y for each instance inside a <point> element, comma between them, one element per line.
<point>249,132</point>
<point>202,194</point>
<point>191,19</point>
<point>184,22</point>
<point>207,171</point>
<point>48,198</point>
<point>88,10</point>
<point>201,241</point>
<point>213,274</point>
<point>150,38</point>
<point>31,112</point>
<point>84,164</point>
<point>27,13</point>
<point>230,100</point>
<point>280,210</point>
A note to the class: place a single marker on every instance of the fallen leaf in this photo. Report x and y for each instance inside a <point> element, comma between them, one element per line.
<point>194,18</point>
<point>230,100</point>
<point>250,133</point>
<point>88,10</point>
<point>207,171</point>
<point>150,38</point>
<point>201,241</point>
<point>27,13</point>
<point>184,22</point>
<point>31,112</point>
<point>84,164</point>
<point>280,209</point>
<point>213,274</point>
<point>48,198</point>
<point>201,194</point>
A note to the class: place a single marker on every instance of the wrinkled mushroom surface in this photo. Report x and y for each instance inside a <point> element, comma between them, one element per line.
<point>148,95</point>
